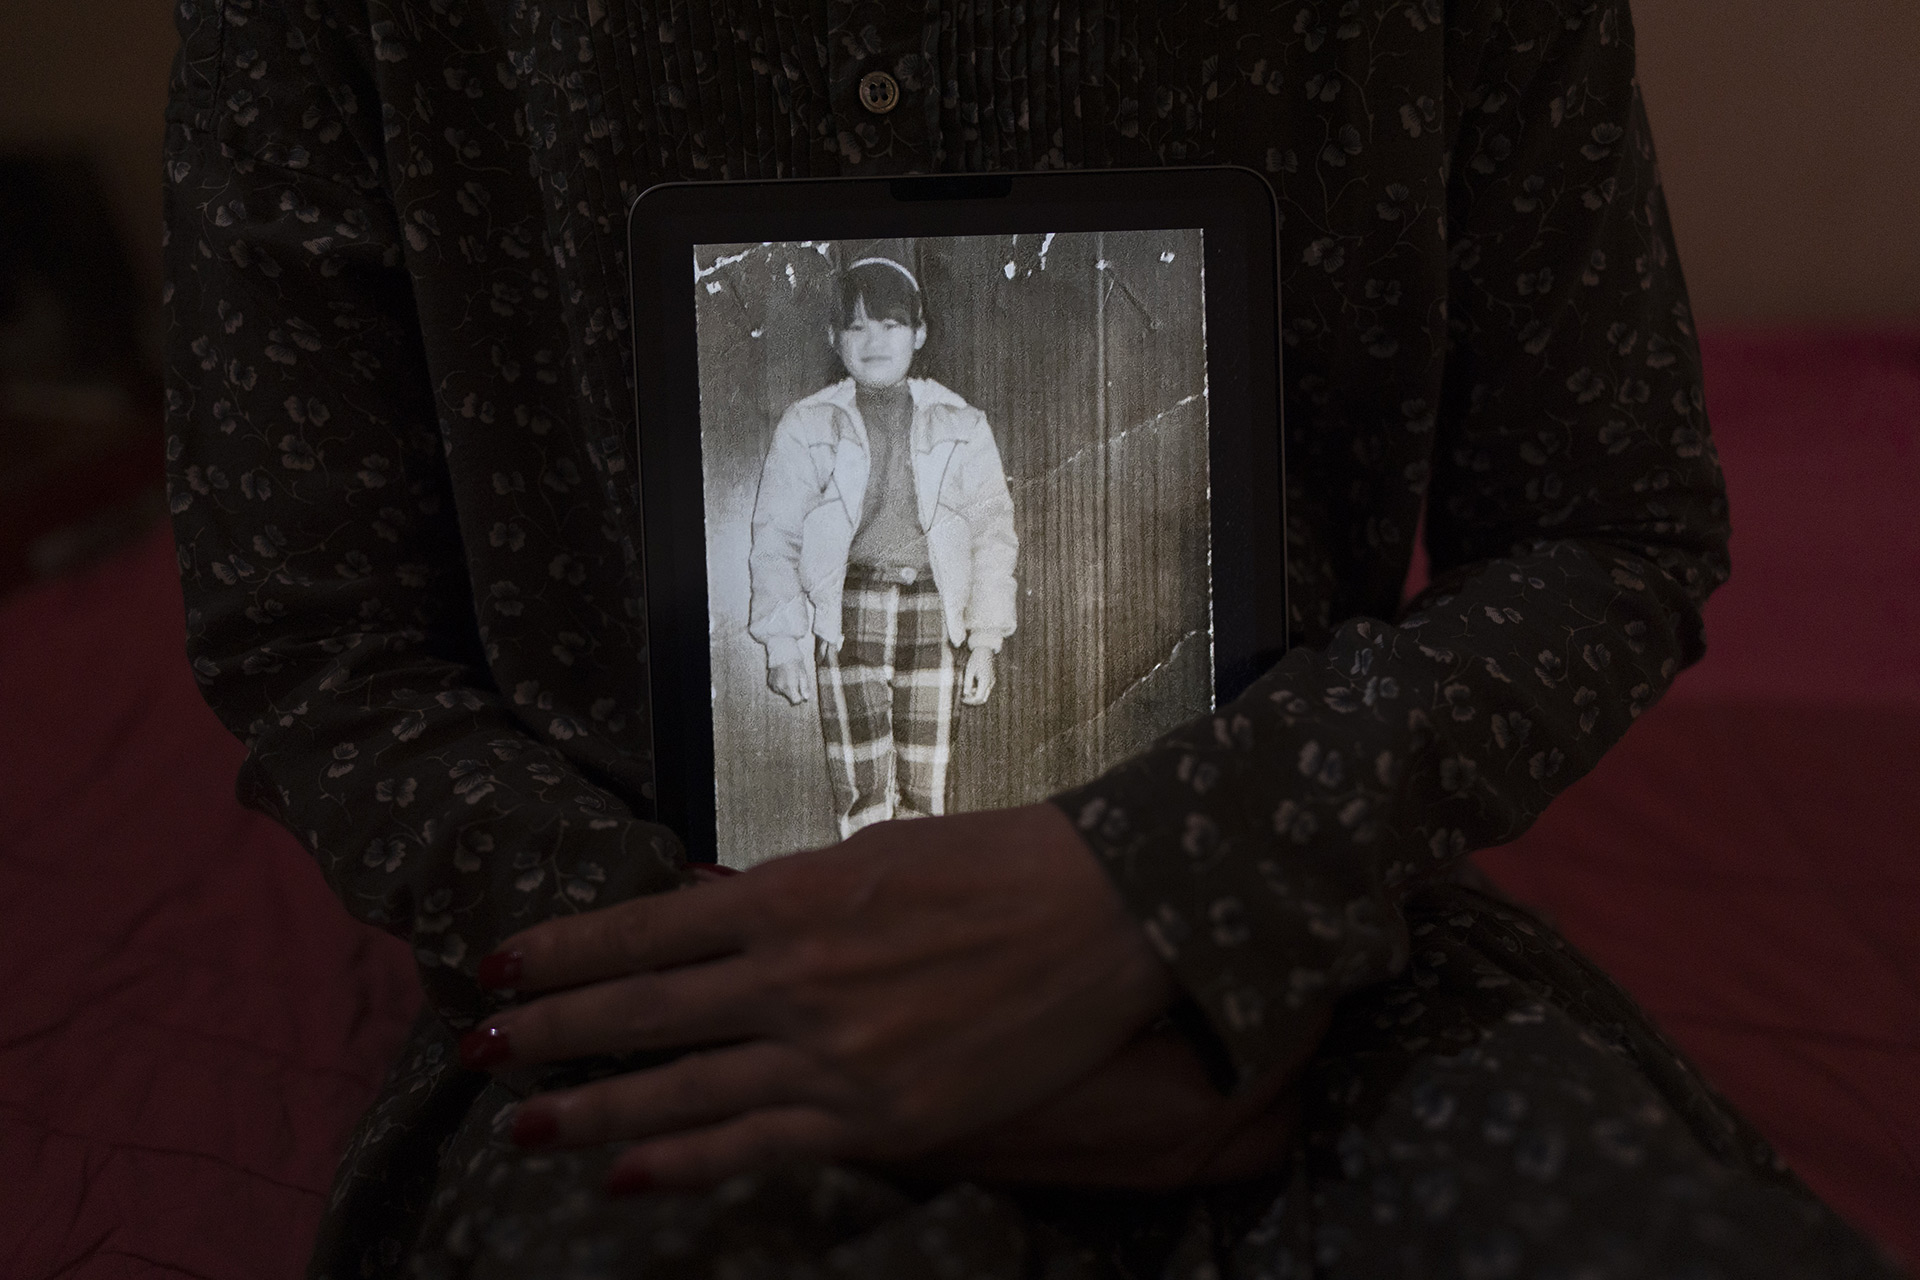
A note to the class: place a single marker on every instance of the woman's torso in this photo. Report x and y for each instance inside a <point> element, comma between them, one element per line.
<point>509,139</point>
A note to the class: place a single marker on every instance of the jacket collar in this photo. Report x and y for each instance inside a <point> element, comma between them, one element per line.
<point>928,428</point>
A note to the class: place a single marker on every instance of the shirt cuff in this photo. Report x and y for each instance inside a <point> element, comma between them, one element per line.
<point>1258,940</point>
<point>786,649</point>
<point>987,640</point>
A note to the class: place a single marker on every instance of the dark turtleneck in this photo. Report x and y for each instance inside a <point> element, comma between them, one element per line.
<point>889,535</point>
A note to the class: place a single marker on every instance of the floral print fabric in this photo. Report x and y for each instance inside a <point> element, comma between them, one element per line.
<point>402,481</point>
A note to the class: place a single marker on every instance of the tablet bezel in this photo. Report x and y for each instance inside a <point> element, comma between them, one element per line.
<point>1236,212</point>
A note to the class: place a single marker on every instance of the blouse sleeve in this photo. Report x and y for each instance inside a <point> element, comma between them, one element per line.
<point>329,613</point>
<point>1576,521</point>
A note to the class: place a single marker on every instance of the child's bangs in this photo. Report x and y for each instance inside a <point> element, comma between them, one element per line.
<point>883,290</point>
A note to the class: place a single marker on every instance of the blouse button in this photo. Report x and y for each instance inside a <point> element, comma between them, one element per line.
<point>879,92</point>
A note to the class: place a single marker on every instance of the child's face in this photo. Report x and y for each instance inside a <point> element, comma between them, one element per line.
<point>877,353</point>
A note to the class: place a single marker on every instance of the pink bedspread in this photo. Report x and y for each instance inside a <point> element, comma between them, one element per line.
<point>189,1023</point>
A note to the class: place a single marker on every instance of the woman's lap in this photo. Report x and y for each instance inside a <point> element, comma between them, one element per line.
<point>1500,1109</point>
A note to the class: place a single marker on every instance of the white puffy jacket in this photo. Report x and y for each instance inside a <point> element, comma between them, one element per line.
<point>813,489</point>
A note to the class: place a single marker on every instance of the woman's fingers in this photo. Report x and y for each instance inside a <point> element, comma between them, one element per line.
<point>929,979</point>
<point>653,932</point>
<point>700,1089</point>
<point>703,1157</point>
<point>693,1005</point>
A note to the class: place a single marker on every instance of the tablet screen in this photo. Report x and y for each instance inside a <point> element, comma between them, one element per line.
<point>957,520</point>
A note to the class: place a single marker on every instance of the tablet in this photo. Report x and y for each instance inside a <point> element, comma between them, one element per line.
<point>956,491</point>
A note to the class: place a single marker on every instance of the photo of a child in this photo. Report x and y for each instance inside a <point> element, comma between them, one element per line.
<point>957,521</point>
<point>884,535</point>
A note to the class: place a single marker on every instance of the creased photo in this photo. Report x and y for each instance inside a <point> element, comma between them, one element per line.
<point>957,520</point>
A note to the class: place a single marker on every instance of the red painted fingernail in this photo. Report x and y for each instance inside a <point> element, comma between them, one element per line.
<point>534,1127</point>
<point>628,1180</point>
<point>501,969</point>
<point>485,1047</point>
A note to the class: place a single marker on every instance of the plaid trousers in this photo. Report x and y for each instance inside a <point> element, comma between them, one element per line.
<point>887,700</point>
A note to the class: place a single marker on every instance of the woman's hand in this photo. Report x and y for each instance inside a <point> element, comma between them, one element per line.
<point>1146,1118</point>
<point>880,999</point>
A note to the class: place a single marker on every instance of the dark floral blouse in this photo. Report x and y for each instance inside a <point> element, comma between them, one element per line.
<point>401,471</point>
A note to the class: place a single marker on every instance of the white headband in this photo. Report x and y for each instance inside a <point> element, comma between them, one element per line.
<point>887,262</point>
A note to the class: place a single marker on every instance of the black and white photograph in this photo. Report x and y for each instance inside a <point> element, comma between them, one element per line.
<point>957,520</point>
